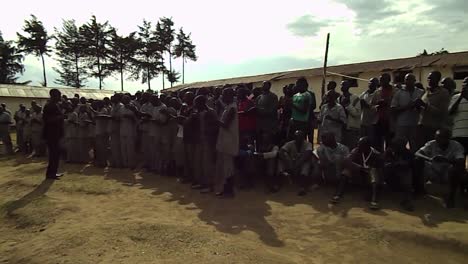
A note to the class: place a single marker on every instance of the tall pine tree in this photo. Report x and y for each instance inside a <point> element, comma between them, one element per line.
<point>69,48</point>
<point>166,35</point>
<point>184,49</point>
<point>98,38</point>
<point>147,63</point>
<point>11,62</point>
<point>34,41</point>
<point>123,56</point>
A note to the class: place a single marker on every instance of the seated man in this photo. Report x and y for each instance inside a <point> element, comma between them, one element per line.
<point>295,158</point>
<point>443,160</point>
<point>331,156</point>
<point>245,163</point>
<point>364,162</point>
<point>266,159</point>
<point>399,170</point>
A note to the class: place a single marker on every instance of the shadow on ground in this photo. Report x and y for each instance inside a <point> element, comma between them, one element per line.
<point>250,212</point>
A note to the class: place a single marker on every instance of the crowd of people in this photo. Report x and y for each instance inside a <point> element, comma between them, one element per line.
<point>396,137</point>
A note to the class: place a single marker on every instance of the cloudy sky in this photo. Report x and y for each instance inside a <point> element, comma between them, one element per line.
<point>248,37</point>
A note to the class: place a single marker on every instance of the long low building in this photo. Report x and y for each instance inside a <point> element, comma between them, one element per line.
<point>12,94</point>
<point>454,65</point>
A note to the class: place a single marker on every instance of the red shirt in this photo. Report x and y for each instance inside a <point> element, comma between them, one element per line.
<point>384,112</point>
<point>247,121</point>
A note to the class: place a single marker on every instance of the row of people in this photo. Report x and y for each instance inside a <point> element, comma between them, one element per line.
<point>216,130</point>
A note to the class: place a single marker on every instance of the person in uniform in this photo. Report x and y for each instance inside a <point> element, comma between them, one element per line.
<point>127,134</point>
<point>227,146</point>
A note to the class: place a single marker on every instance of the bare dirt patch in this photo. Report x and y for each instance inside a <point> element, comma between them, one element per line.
<point>118,216</point>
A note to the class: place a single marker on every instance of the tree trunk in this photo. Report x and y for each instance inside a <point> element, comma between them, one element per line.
<point>163,79</point>
<point>170,64</point>
<point>148,79</point>
<point>43,70</point>
<point>121,73</point>
<point>121,79</point>
<point>170,61</point>
<point>99,73</point>
<point>183,68</point>
<point>78,85</point>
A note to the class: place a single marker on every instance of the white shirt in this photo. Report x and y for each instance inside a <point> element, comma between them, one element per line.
<point>460,118</point>
<point>369,115</point>
<point>333,155</point>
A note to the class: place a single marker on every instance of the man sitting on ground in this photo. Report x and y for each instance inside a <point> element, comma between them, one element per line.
<point>363,162</point>
<point>399,170</point>
<point>266,157</point>
<point>443,160</point>
<point>332,156</point>
<point>295,158</point>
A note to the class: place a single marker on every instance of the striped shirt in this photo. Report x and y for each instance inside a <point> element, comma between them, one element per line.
<point>460,118</point>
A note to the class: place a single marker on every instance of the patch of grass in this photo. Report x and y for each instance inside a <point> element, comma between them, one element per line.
<point>168,238</point>
<point>88,187</point>
<point>17,184</point>
<point>39,211</point>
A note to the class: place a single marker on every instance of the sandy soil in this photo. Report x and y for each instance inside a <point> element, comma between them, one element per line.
<point>118,216</point>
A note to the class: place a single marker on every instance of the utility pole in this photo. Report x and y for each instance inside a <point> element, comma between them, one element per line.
<point>325,65</point>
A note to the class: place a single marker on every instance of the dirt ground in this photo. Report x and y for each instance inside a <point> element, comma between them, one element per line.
<point>94,215</point>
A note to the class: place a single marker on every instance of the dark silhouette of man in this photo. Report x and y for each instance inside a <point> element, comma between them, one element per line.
<point>53,132</point>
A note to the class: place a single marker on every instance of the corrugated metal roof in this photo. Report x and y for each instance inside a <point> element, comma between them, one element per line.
<point>443,60</point>
<point>25,91</point>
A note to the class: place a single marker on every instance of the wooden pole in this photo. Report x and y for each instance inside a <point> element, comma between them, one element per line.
<point>325,65</point>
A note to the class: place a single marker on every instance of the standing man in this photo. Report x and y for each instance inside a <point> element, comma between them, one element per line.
<point>449,84</point>
<point>36,132</point>
<point>369,114</point>
<point>459,112</point>
<point>208,135</point>
<point>332,117</point>
<point>352,107</point>
<point>158,144</point>
<point>53,132</point>
<point>300,108</point>
<point>145,126</point>
<point>5,109</point>
<point>382,102</point>
<point>434,109</point>
<point>116,154</point>
<point>102,118</point>
<point>267,111</point>
<point>5,122</point>
<point>227,146</point>
<point>331,86</point>
<point>407,114</point>
<point>285,111</point>
<point>128,124</point>
<point>190,137</point>
<point>71,134</point>
<point>19,119</point>
<point>84,121</point>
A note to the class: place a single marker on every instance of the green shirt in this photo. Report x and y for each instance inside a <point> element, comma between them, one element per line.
<point>299,100</point>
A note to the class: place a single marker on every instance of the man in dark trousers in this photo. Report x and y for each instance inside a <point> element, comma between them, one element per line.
<point>53,132</point>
